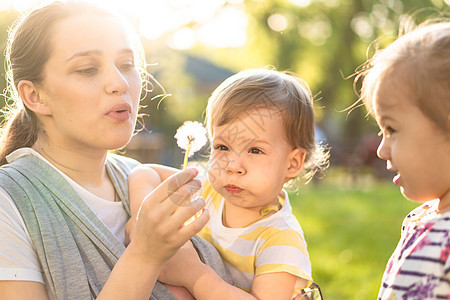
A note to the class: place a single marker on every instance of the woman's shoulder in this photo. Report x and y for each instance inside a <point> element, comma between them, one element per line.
<point>123,162</point>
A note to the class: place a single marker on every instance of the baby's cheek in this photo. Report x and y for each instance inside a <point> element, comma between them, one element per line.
<point>215,170</point>
<point>217,162</point>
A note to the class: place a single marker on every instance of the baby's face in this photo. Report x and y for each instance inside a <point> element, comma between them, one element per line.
<point>413,145</point>
<point>251,159</point>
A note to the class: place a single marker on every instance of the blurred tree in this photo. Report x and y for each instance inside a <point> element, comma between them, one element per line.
<point>324,41</point>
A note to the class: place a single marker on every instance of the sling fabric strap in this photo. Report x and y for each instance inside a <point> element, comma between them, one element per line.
<point>75,248</point>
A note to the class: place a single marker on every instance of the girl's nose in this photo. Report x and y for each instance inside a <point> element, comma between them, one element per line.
<point>116,82</point>
<point>235,167</point>
<point>383,150</point>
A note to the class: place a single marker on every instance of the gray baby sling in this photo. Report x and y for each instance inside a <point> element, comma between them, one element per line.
<point>75,248</point>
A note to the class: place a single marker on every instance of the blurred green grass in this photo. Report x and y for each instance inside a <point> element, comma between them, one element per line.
<point>352,224</point>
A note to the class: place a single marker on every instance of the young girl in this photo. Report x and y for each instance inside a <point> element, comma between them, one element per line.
<point>407,89</point>
<point>74,79</point>
<point>261,128</point>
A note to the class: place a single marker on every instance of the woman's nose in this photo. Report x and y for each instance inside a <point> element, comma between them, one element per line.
<point>116,82</point>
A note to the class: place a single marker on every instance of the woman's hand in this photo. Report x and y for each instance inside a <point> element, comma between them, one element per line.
<point>159,233</point>
<point>160,229</point>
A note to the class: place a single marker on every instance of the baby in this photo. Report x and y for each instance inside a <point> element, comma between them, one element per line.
<point>261,129</point>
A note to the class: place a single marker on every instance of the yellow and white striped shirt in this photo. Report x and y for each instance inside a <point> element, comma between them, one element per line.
<point>273,244</point>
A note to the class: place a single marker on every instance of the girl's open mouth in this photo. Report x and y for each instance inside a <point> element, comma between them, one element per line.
<point>396,179</point>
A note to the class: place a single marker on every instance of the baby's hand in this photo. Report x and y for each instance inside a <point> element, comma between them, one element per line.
<point>180,267</point>
<point>181,293</point>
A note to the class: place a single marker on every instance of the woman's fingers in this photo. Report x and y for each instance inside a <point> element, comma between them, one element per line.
<point>187,213</point>
<point>193,227</point>
<point>163,213</point>
<point>168,206</point>
<point>170,188</point>
<point>181,196</point>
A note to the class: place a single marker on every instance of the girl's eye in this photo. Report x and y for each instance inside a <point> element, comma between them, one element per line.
<point>390,130</point>
<point>387,131</point>
<point>255,151</point>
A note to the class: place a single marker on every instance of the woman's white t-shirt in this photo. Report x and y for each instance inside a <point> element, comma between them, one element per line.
<point>18,259</point>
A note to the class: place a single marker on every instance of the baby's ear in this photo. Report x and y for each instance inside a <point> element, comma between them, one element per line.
<point>296,162</point>
<point>31,98</point>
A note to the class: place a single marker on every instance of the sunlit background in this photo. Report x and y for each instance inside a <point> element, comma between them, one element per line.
<point>193,45</point>
<point>224,23</point>
<point>215,26</point>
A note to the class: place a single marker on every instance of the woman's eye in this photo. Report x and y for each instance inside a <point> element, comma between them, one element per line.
<point>126,66</point>
<point>88,71</point>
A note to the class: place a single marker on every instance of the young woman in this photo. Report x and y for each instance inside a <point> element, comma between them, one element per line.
<point>75,81</point>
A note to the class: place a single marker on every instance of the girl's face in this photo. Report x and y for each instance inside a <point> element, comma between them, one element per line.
<point>91,85</point>
<point>413,146</point>
<point>251,160</point>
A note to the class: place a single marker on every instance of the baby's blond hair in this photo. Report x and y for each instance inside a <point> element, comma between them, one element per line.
<point>284,92</point>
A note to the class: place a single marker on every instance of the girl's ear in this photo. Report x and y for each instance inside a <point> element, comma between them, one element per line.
<point>30,96</point>
<point>296,162</point>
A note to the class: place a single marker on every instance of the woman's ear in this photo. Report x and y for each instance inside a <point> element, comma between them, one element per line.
<point>448,122</point>
<point>296,161</point>
<point>31,98</point>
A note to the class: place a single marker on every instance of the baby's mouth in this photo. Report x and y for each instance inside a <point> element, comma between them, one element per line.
<point>233,189</point>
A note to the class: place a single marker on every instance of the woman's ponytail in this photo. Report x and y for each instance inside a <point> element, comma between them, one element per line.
<point>19,130</point>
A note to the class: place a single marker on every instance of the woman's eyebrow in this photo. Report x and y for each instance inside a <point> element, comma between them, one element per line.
<point>98,52</point>
<point>85,53</point>
<point>126,51</point>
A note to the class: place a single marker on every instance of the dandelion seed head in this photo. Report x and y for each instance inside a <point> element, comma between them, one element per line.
<point>191,133</point>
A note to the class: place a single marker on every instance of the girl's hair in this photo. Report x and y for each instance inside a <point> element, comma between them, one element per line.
<point>27,52</point>
<point>420,59</point>
<point>283,92</point>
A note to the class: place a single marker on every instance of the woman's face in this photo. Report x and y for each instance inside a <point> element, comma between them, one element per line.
<point>91,85</point>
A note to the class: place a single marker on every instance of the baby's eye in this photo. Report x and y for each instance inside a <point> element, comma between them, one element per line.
<point>221,148</point>
<point>255,151</point>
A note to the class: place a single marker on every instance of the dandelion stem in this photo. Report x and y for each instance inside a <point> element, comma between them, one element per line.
<point>186,155</point>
